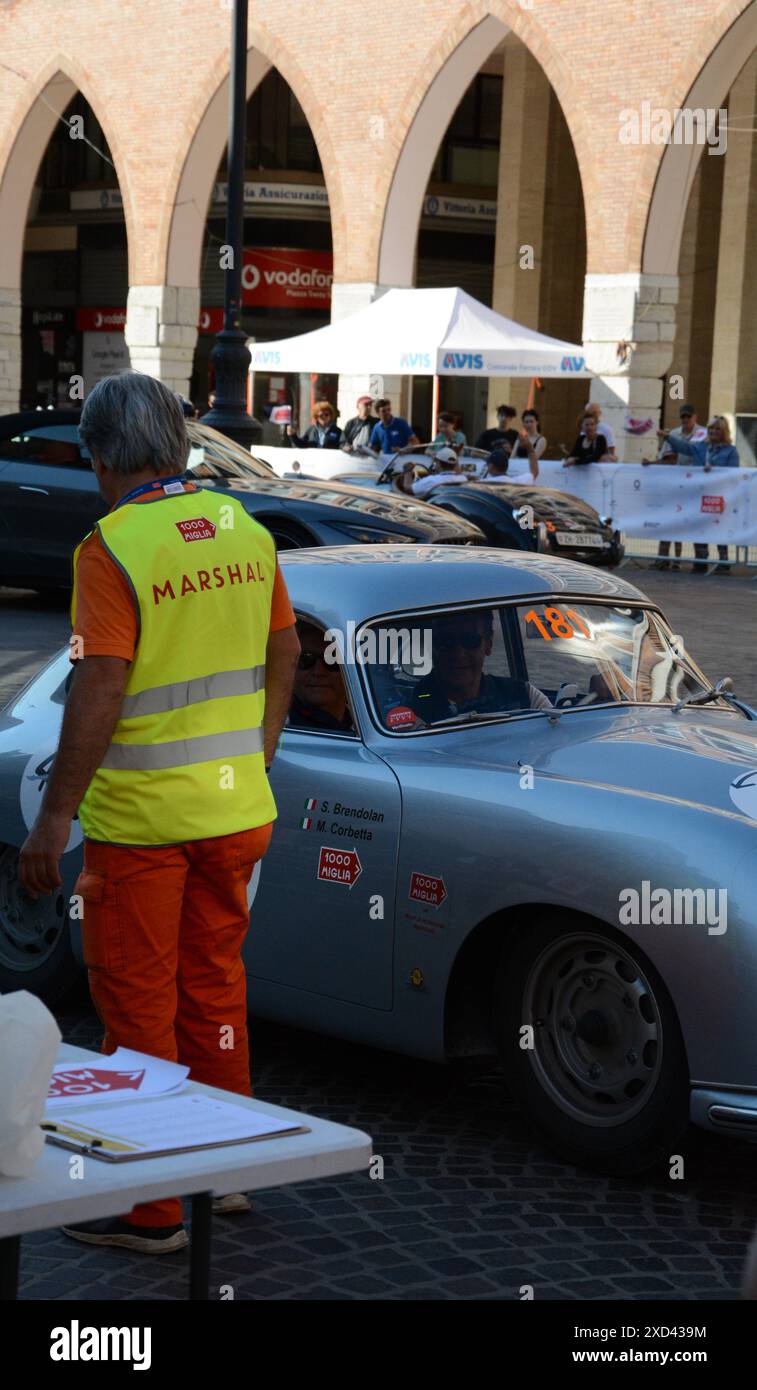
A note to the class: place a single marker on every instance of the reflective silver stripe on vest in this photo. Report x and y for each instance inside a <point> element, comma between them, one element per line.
<point>181,752</point>
<point>160,699</point>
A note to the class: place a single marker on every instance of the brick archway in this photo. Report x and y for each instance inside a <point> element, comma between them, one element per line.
<point>664,184</point>
<point>453,63</point>
<point>185,218</point>
<point>39,108</point>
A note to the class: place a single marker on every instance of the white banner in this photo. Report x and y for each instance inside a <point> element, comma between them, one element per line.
<point>103,354</point>
<point>665,501</point>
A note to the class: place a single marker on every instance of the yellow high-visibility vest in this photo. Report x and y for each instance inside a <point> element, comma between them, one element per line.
<point>186,759</point>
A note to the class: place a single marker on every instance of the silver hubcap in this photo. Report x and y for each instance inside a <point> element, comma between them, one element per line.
<point>29,931</point>
<point>597,1030</point>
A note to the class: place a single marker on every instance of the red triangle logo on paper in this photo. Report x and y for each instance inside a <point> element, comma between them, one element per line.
<point>88,1081</point>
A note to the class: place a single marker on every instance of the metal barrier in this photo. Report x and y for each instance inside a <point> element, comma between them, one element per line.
<point>644,548</point>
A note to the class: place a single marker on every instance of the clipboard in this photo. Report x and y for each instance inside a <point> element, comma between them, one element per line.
<point>104,1142</point>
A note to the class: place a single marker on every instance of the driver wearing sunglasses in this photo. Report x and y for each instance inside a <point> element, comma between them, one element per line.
<point>319,700</point>
<point>457,683</point>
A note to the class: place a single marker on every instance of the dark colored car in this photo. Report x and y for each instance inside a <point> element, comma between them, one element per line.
<point>517,516</point>
<point>49,500</point>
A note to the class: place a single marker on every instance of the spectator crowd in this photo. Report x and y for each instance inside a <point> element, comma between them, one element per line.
<point>515,452</point>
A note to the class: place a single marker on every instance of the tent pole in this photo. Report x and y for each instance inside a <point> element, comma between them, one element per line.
<point>410,399</point>
<point>434,407</point>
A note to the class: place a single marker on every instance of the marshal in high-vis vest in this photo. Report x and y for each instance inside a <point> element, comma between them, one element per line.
<point>184,649</point>
<point>187,751</point>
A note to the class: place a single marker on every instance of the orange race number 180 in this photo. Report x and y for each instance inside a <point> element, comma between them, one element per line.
<point>558,623</point>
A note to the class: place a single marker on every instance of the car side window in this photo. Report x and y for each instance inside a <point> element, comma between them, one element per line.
<point>320,702</point>
<point>54,446</point>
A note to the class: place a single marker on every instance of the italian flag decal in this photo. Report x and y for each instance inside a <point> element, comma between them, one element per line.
<point>309,804</point>
<point>306,823</point>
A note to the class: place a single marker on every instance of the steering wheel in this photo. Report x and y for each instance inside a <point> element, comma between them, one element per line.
<point>386,474</point>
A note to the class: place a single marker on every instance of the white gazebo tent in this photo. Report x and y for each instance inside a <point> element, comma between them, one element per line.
<point>412,332</point>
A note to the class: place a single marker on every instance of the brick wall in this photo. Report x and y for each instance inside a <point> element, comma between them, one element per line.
<point>149,69</point>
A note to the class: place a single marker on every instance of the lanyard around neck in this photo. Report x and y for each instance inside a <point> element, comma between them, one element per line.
<point>157,486</point>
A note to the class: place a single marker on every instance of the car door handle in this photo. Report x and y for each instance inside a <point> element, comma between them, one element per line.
<point>25,487</point>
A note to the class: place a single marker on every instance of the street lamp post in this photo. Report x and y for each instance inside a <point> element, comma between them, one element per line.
<point>230,356</point>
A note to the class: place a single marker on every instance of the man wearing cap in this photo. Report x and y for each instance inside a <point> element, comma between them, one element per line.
<point>691,430</point>
<point>445,469</point>
<point>358,430</point>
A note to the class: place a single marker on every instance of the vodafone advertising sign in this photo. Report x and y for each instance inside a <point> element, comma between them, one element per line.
<point>101,320</point>
<point>276,277</point>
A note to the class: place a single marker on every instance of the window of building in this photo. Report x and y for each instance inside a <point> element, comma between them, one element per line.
<point>469,152</point>
<point>278,135</point>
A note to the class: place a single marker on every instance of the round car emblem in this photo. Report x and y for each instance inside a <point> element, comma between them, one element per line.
<point>743,791</point>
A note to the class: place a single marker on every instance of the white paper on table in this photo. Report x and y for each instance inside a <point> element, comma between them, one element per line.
<point>178,1122</point>
<point>124,1075</point>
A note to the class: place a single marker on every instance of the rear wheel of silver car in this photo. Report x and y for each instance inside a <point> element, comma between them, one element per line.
<point>591,1046</point>
<point>35,946</point>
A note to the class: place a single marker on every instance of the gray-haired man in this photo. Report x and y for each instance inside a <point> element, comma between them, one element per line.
<point>186,660</point>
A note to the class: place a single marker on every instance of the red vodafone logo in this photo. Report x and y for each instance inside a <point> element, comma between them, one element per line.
<point>339,865</point>
<point>198,529</point>
<point>713,504</point>
<point>427,888</point>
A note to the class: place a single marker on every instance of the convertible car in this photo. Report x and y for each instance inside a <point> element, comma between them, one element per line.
<point>49,500</point>
<point>532,835</point>
<point>559,523</point>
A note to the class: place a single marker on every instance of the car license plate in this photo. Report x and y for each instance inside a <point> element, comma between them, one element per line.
<point>580,539</point>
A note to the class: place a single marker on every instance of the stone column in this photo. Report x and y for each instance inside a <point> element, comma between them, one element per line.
<point>10,350</point>
<point>638,310</point>
<point>161,332</point>
<point>733,384</point>
<point>695,314</point>
<point>520,205</point>
<point>347,299</point>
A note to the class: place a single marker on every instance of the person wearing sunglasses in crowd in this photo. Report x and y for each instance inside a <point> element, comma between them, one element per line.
<point>590,447</point>
<point>319,700</point>
<point>324,433</point>
<point>458,683</point>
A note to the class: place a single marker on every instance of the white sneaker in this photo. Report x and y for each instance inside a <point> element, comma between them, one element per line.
<point>233,1201</point>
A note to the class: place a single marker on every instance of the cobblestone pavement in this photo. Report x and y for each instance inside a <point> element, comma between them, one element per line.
<point>471,1205</point>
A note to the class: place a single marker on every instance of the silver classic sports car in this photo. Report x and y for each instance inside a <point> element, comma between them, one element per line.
<point>515,819</point>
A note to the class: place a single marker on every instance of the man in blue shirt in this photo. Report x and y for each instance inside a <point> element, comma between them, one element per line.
<point>392,432</point>
<point>716,451</point>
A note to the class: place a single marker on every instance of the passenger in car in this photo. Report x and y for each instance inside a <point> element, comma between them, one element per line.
<point>320,700</point>
<point>457,683</point>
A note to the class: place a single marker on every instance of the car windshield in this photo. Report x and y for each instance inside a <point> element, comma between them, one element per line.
<point>212,455</point>
<point>557,654</point>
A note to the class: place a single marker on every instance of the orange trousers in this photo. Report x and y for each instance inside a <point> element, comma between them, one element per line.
<point>163,930</point>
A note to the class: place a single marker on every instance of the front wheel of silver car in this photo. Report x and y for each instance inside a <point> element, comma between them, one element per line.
<point>591,1046</point>
<point>35,945</point>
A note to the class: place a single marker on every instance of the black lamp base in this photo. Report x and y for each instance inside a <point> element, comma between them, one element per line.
<point>231,362</point>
